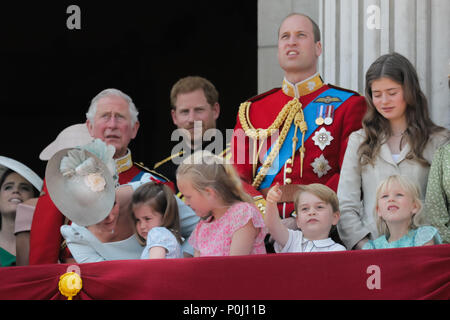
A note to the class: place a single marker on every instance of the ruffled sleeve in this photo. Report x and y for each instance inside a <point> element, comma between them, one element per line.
<point>425,234</point>
<point>242,213</point>
<point>161,237</point>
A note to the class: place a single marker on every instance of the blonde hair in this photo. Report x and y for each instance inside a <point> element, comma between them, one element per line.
<point>321,191</point>
<point>206,170</point>
<point>408,187</point>
<point>161,199</point>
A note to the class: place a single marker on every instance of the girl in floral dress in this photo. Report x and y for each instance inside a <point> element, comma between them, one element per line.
<point>229,223</point>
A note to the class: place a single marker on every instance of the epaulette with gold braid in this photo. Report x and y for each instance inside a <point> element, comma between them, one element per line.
<point>153,172</point>
<point>226,154</point>
<point>158,164</point>
<point>260,203</point>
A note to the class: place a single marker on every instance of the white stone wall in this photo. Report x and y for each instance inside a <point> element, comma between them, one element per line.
<point>356,32</point>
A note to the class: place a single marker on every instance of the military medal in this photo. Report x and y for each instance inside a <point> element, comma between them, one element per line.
<point>329,115</point>
<point>322,138</point>
<point>321,166</point>
<point>319,121</point>
<point>319,118</point>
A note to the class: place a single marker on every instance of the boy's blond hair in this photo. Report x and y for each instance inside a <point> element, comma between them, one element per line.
<point>321,191</point>
<point>409,187</point>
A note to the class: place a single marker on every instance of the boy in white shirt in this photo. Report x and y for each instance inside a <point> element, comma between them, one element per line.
<point>317,209</point>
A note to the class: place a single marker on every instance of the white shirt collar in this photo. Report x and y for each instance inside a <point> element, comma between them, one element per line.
<point>320,243</point>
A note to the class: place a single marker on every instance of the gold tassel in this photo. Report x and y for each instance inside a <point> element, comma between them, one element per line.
<point>299,122</point>
<point>255,156</point>
<point>303,129</point>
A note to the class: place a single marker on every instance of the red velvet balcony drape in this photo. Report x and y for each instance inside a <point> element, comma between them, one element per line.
<point>409,273</point>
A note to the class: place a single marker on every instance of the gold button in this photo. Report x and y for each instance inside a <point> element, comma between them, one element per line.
<point>288,181</point>
<point>288,170</point>
<point>289,161</point>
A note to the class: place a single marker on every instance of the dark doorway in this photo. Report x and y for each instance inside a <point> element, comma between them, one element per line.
<point>50,73</point>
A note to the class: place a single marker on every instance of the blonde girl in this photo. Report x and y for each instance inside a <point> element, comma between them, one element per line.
<point>398,215</point>
<point>229,222</point>
<point>155,213</point>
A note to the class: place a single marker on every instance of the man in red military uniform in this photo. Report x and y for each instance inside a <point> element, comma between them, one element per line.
<point>112,117</point>
<point>296,134</point>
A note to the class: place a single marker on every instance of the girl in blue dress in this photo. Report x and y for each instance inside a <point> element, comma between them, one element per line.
<point>397,212</point>
<point>156,220</point>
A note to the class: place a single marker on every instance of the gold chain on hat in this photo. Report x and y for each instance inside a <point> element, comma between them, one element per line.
<point>286,115</point>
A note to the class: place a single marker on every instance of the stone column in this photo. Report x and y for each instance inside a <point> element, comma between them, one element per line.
<point>355,33</point>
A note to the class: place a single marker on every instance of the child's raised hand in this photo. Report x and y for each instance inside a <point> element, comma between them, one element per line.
<point>274,194</point>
